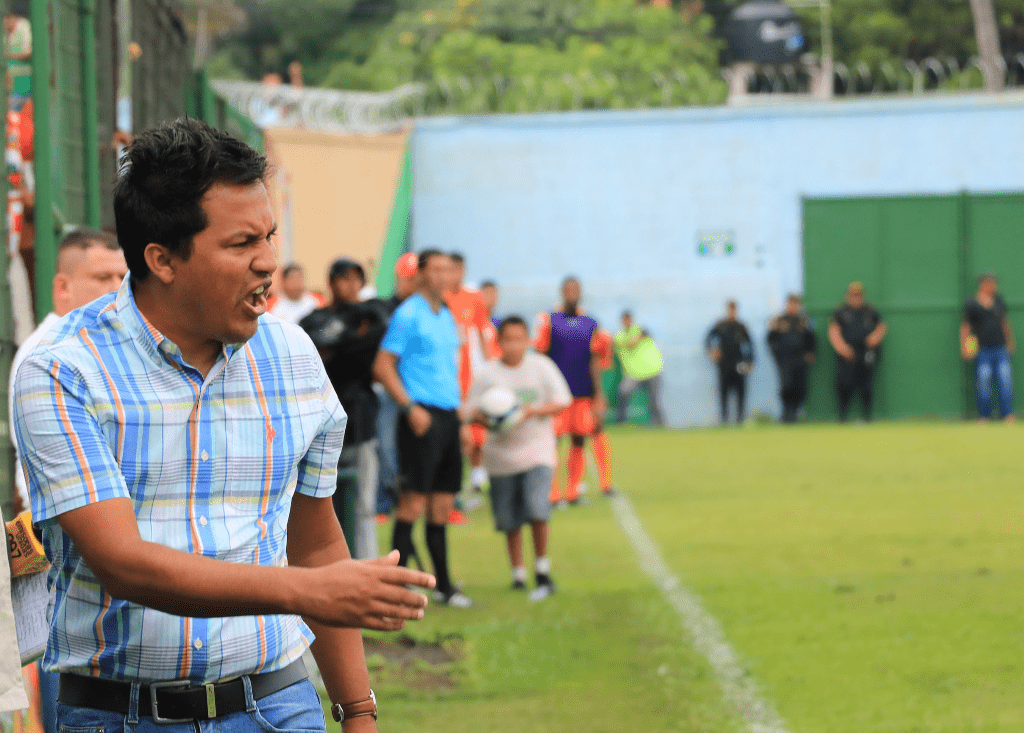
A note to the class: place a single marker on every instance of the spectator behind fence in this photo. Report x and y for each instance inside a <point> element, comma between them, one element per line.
<point>792,342</point>
<point>294,302</point>
<point>18,50</point>
<point>729,346</point>
<point>642,367</point>
<point>181,453</point>
<point>987,337</point>
<point>347,334</point>
<point>856,332</point>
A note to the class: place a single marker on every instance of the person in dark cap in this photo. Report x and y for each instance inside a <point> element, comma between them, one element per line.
<point>856,332</point>
<point>986,337</point>
<point>347,334</point>
<point>792,342</point>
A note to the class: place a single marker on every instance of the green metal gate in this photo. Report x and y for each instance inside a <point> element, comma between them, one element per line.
<point>79,58</point>
<point>918,257</point>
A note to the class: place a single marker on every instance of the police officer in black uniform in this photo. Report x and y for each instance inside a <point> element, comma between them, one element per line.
<point>792,342</point>
<point>728,344</point>
<point>856,332</point>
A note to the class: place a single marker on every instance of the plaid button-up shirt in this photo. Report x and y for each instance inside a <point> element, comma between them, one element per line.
<point>106,408</point>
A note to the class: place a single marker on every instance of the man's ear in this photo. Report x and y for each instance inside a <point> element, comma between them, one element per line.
<point>160,262</point>
<point>61,287</point>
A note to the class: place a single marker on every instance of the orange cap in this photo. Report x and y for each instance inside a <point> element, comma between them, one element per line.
<point>407,265</point>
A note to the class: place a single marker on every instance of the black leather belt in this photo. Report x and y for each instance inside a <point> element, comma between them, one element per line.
<point>176,701</point>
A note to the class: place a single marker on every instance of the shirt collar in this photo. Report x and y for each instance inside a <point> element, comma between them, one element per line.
<point>144,333</point>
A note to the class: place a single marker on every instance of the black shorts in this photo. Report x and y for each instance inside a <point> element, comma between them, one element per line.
<point>432,463</point>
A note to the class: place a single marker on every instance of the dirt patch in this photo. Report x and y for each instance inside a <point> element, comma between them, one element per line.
<point>420,665</point>
<point>406,650</point>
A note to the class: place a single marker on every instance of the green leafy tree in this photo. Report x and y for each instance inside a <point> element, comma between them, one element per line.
<point>484,55</point>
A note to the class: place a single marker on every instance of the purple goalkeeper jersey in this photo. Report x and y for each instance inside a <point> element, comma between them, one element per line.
<point>570,350</point>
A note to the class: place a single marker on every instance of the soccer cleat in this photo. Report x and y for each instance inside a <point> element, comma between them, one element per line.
<point>455,599</point>
<point>609,491</point>
<point>473,501</point>
<point>518,585</point>
<point>578,501</point>
<point>457,517</point>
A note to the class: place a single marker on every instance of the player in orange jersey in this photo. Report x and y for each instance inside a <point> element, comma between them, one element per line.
<point>582,353</point>
<point>478,338</point>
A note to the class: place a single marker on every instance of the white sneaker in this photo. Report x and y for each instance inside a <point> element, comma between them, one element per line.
<point>458,600</point>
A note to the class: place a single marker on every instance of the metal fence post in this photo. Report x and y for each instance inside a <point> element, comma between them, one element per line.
<point>90,113</point>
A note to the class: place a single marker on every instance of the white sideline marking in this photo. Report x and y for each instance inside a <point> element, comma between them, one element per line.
<point>707,636</point>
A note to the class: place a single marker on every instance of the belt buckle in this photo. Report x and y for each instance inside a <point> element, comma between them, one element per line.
<point>153,688</point>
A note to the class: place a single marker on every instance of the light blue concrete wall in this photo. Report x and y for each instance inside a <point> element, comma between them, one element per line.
<point>620,199</point>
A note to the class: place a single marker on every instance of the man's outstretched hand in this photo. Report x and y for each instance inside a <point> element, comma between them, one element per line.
<point>366,594</point>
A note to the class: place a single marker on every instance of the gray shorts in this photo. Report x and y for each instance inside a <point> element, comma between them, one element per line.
<point>521,497</point>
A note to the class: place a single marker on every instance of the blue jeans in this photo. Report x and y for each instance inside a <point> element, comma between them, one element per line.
<point>295,709</point>
<point>993,362</point>
<point>387,450</point>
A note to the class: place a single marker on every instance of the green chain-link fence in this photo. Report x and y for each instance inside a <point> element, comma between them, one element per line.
<point>107,65</point>
<point>81,62</point>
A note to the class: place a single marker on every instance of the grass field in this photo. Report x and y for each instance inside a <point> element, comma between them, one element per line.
<point>868,577</point>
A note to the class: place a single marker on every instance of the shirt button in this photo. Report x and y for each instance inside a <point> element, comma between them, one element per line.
<point>205,456</point>
<point>198,643</point>
<point>202,521</point>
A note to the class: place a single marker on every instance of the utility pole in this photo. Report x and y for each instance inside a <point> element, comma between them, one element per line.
<point>826,67</point>
<point>987,34</point>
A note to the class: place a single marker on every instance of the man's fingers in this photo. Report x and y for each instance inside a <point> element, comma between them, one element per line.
<point>407,576</point>
<point>390,559</point>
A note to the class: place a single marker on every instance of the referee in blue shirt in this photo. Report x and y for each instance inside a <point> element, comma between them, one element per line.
<point>180,448</point>
<point>417,365</point>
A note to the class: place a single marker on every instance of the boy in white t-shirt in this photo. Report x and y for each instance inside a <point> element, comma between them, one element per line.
<point>521,458</point>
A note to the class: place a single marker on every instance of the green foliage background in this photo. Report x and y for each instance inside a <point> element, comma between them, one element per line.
<point>559,54</point>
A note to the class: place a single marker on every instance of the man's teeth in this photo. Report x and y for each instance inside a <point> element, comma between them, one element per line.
<point>259,290</point>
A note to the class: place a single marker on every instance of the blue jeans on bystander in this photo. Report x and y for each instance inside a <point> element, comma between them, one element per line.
<point>994,362</point>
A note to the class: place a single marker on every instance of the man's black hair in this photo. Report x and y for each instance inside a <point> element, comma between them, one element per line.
<point>164,174</point>
<point>488,284</point>
<point>426,255</point>
<point>290,268</point>
<point>626,314</point>
<point>457,258</point>
<point>511,321</point>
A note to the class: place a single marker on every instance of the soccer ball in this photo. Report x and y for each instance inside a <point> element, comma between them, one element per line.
<point>501,409</point>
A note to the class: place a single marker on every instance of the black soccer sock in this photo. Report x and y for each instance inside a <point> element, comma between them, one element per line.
<point>401,540</point>
<point>437,546</point>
